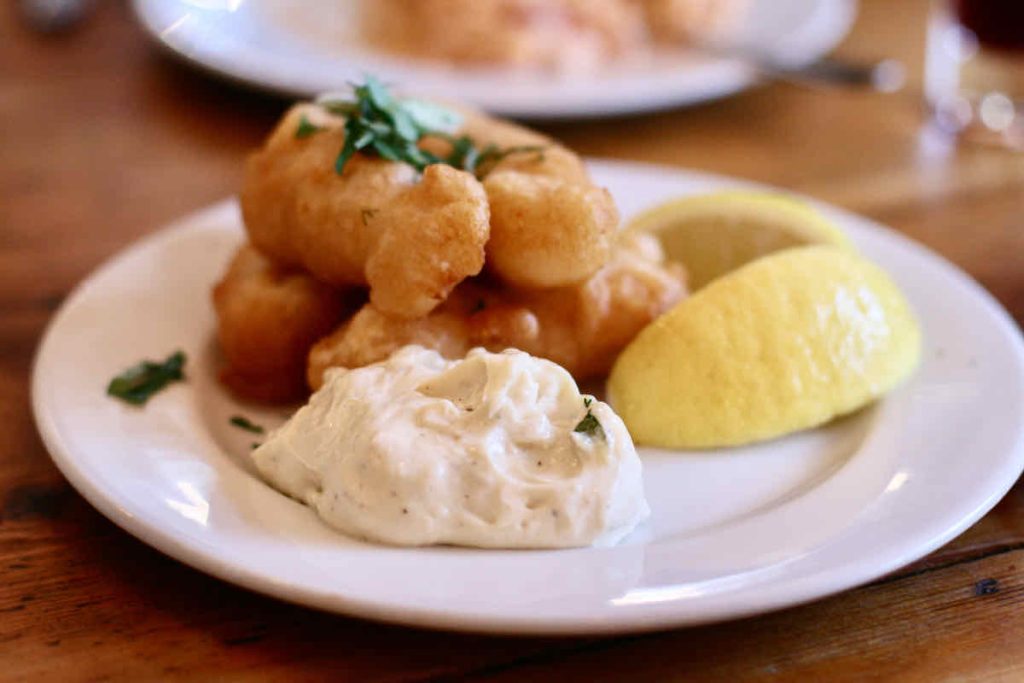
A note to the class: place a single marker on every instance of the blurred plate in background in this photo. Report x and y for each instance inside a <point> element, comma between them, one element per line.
<point>304,47</point>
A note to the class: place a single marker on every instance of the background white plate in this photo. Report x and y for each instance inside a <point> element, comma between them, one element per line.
<point>305,47</point>
<point>733,532</point>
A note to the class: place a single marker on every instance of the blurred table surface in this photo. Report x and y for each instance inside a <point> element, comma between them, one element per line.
<point>103,139</point>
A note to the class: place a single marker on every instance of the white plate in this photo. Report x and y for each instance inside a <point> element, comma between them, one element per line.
<point>733,532</point>
<point>305,47</point>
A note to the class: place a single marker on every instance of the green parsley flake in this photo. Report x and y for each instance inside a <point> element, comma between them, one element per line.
<point>244,423</point>
<point>589,425</point>
<point>138,383</point>
<point>306,128</point>
<point>367,214</point>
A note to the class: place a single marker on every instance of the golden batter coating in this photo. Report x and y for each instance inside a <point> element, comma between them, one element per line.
<point>551,226</point>
<point>414,243</point>
<point>546,232</point>
<point>268,317</point>
<point>354,228</point>
<point>582,328</point>
<point>544,222</point>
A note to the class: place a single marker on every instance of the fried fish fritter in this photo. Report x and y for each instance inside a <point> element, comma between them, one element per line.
<point>410,239</point>
<point>551,226</point>
<point>582,328</point>
<point>268,317</point>
<point>417,242</point>
<point>546,232</point>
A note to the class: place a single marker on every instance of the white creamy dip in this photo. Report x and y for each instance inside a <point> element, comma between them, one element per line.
<point>418,450</point>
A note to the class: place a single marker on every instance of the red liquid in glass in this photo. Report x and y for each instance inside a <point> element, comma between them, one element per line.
<point>996,23</point>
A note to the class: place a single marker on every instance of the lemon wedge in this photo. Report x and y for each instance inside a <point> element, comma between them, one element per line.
<point>716,233</point>
<point>784,343</point>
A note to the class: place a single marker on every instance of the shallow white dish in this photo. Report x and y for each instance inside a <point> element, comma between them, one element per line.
<point>733,532</point>
<point>305,47</point>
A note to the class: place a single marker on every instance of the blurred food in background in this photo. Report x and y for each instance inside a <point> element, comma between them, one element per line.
<point>520,58</point>
<point>550,34</point>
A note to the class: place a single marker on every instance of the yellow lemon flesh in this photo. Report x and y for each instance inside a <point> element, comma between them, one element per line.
<point>716,233</point>
<point>784,343</point>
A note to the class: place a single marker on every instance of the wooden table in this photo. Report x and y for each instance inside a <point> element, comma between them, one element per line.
<point>102,140</point>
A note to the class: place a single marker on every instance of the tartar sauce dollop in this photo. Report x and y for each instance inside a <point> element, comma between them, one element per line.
<point>498,450</point>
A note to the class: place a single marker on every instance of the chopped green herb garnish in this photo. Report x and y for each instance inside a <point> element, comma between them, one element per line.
<point>379,124</point>
<point>138,383</point>
<point>244,423</point>
<point>367,214</point>
<point>589,424</point>
<point>306,128</point>
<point>254,445</point>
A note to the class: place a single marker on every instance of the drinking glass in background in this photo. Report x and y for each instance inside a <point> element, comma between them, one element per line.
<point>974,73</point>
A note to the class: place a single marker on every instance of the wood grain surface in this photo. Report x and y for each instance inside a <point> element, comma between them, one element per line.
<point>103,139</point>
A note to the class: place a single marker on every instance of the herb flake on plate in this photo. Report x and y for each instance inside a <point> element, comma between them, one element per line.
<point>139,383</point>
<point>245,423</point>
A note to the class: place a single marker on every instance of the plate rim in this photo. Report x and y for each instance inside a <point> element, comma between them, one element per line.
<point>166,542</point>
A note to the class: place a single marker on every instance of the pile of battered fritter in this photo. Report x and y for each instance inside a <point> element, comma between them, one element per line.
<point>368,232</point>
